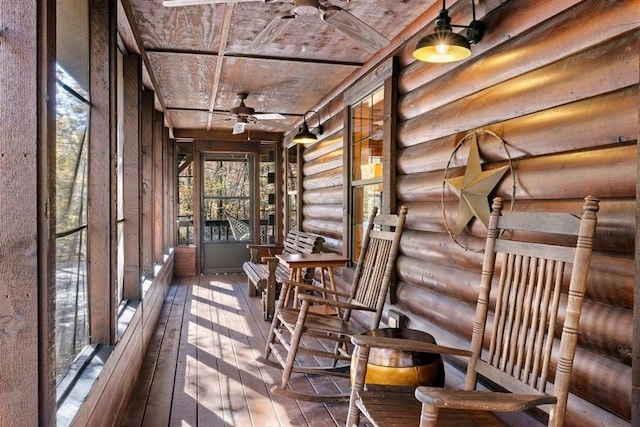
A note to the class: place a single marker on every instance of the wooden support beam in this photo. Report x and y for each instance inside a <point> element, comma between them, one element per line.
<point>158,194</point>
<point>132,94</point>
<point>102,143</point>
<point>146,170</point>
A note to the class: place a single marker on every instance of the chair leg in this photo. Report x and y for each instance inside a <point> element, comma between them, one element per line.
<point>428,416</point>
<point>275,323</point>
<point>294,344</point>
<point>362,358</point>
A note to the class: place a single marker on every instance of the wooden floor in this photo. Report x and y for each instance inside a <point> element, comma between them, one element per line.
<point>201,367</point>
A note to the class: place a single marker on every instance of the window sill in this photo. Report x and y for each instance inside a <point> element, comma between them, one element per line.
<point>74,387</point>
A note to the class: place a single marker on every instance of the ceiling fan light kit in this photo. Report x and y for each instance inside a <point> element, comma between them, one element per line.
<point>443,45</point>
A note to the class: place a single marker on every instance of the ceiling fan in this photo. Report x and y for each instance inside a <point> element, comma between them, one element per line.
<point>335,16</point>
<point>245,115</point>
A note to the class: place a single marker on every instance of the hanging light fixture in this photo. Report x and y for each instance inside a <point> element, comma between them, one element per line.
<point>446,46</point>
<point>304,135</point>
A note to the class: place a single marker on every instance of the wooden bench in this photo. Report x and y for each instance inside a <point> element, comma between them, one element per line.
<point>264,273</point>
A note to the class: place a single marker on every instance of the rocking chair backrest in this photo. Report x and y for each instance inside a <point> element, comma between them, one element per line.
<point>376,261</point>
<point>525,249</point>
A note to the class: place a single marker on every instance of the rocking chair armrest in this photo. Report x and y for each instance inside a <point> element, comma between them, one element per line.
<point>333,303</point>
<point>313,288</point>
<point>405,345</point>
<point>481,400</point>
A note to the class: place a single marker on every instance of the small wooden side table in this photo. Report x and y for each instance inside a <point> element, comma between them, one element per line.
<point>325,261</point>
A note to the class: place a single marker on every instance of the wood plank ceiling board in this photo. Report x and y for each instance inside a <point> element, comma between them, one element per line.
<point>200,57</point>
<point>190,119</point>
<point>186,79</point>
<point>285,87</point>
<point>192,28</point>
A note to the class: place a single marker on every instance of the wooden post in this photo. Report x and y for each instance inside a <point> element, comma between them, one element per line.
<point>158,194</point>
<point>146,166</point>
<point>46,197</point>
<point>27,207</point>
<point>132,71</point>
<point>102,143</point>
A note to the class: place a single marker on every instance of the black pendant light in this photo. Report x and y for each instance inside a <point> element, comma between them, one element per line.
<point>304,135</point>
<point>446,46</point>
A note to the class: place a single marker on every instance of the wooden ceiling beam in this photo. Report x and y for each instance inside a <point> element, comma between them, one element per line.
<point>225,135</point>
<point>224,37</point>
<point>256,57</point>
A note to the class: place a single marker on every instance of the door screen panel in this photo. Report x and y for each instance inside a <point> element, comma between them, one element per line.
<point>226,212</point>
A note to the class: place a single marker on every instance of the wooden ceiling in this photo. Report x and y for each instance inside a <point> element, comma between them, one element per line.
<point>197,58</point>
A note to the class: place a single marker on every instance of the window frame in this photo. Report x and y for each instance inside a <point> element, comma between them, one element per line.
<point>385,76</point>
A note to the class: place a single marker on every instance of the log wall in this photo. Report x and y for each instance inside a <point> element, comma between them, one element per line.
<point>558,82</point>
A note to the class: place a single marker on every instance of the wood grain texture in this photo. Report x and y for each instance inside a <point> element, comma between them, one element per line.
<point>569,132</point>
<point>100,188</point>
<point>538,39</point>
<point>213,326</point>
<point>557,84</point>
<point>25,52</point>
<point>131,132</point>
<point>146,177</point>
<point>157,189</point>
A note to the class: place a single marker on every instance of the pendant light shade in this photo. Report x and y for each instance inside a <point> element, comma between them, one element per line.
<point>304,135</point>
<point>442,46</point>
<point>446,46</point>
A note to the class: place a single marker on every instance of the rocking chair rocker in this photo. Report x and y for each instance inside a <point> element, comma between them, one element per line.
<point>291,325</point>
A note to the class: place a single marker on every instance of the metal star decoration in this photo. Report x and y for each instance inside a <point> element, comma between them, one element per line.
<point>473,189</point>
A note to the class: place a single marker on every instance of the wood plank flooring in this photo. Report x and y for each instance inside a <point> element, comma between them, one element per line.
<point>201,368</point>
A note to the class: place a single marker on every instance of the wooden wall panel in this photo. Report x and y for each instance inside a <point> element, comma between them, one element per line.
<point>27,153</point>
<point>106,402</point>
<point>562,92</point>
<point>146,176</point>
<point>157,189</point>
<point>132,93</point>
<point>548,41</point>
<point>101,194</point>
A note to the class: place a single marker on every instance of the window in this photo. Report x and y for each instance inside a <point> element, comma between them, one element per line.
<point>72,316</point>
<point>366,139</point>
<point>185,194</point>
<point>370,150</point>
<point>267,193</point>
<point>292,167</point>
<point>120,184</point>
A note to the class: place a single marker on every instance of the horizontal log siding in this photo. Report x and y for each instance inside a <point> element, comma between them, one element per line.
<point>558,81</point>
<point>570,133</point>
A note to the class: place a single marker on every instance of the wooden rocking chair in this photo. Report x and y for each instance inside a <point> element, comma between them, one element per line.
<point>369,288</point>
<point>521,330</point>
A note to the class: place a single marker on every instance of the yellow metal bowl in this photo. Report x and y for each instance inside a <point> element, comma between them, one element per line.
<point>402,368</point>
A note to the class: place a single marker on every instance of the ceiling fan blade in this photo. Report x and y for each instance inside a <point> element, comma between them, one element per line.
<point>178,3</point>
<point>269,116</point>
<point>271,31</point>
<point>281,126</point>
<point>239,127</point>
<point>353,27</point>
